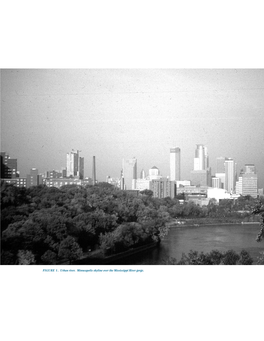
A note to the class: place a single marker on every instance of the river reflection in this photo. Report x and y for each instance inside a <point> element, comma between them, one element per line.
<point>202,238</point>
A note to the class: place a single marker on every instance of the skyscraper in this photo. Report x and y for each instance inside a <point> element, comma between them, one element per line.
<point>201,174</point>
<point>247,183</point>
<point>94,171</point>
<point>142,174</point>
<point>230,178</point>
<point>200,158</point>
<point>75,164</point>
<point>129,173</point>
<point>175,164</point>
<point>81,168</point>
<point>220,170</point>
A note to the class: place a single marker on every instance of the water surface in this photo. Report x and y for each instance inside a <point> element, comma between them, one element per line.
<point>182,239</point>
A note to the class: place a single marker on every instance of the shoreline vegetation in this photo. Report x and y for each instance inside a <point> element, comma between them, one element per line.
<point>48,226</point>
<point>210,222</point>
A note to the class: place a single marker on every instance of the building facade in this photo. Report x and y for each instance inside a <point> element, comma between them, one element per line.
<point>75,164</point>
<point>175,164</point>
<point>129,174</point>
<point>34,178</point>
<point>58,183</point>
<point>163,188</point>
<point>216,182</point>
<point>154,173</point>
<point>201,174</point>
<point>8,167</point>
<point>247,183</point>
<point>230,175</point>
<point>200,158</point>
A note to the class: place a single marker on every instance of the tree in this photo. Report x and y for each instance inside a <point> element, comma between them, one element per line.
<point>25,257</point>
<point>245,258</point>
<point>49,257</point>
<point>147,192</point>
<point>215,257</point>
<point>69,249</point>
<point>259,209</point>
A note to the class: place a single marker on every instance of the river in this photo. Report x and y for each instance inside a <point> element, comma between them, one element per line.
<point>182,239</point>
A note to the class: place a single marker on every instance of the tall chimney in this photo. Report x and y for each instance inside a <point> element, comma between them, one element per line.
<point>94,171</point>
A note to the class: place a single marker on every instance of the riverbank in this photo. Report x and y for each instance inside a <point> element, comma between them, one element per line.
<point>210,221</point>
<point>98,258</point>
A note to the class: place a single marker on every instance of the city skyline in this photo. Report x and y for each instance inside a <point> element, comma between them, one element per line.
<point>116,114</point>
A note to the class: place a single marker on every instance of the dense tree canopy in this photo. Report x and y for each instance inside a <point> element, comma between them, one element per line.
<point>42,225</point>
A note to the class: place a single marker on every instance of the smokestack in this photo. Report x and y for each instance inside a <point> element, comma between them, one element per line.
<point>94,171</point>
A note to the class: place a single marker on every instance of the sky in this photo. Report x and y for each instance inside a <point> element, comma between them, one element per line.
<point>124,113</point>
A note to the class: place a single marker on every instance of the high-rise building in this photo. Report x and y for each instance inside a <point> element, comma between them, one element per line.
<point>94,171</point>
<point>216,182</point>
<point>220,171</point>
<point>75,164</point>
<point>163,188</point>
<point>175,164</point>
<point>142,174</point>
<point>247,183</point>
<point>8,167</point>
<point>206,158</point>
<point>230,175</point>
<point>34,178</point>
<point>81,168</point>
<point>129,174</point>
<point>200,158</point>
<point>201,174</point>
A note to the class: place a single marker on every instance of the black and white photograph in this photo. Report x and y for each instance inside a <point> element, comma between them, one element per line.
<point>132,166</point>
<point>131,151</point>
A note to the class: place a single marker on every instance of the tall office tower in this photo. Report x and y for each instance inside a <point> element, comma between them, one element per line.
<point>94,171</point>
<point>206,158</point>
<point>175,164</point>
<point>201,174</point>
<point>220,170</point>
<point>81,168</point>
<point>230,177</point>
<point>8,167</point>
<point>34,178</point>
<point>200,158</point>
<point>129,173</point>
<point>247,183</point>
<point>142,174</point>
<point>74,164</point>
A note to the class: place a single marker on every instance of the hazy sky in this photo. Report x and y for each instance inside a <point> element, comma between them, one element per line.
<point>116,113</point>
